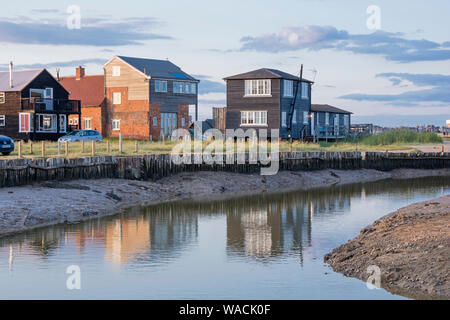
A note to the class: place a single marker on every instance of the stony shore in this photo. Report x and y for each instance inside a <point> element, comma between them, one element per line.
<point>50,203</point>
<point>410,246</point>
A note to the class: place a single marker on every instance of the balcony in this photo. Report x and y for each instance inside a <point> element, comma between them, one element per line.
<point>39,105</point>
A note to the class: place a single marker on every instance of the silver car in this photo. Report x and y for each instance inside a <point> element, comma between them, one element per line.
<point>82,135</point>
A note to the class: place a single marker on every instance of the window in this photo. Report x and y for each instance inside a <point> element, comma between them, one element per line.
<point>193,88</point>
<point>258,118</point>
<point>160,86</point>
<point>183,122</point>
<point>87,123</point>
<point>327,118</point>
<point>178,87</point>
<point>25,122</point>
<point>48,93</point>
<point>75,121</point>
<point>2,97</point>
<point>62,123</point>
<point>294,117</point>
<point>47,122</point>
<point>258,88</point>
<point>2,121</point>
<point>283,119</point>
<point>347,120</point>
<point>288,88</point>
<point>305,117</point>
<point>116,125</point>
<point>116,71</point>
<point>155,121</point>
<point>305,90</point>
<point>117,98</point>
<point>70,122</point>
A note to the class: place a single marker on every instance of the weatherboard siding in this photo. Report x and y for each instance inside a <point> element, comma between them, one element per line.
<point>169,100</point>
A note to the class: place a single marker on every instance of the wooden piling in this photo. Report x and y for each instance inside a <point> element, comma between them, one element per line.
<point>93,149</point>
<point>108,147</point>
<point>43,149</point>
<point>120,143</point>
<point>19,149</point>
<point>66,149</point>
<point>31,147</point>
<point>136,146</point>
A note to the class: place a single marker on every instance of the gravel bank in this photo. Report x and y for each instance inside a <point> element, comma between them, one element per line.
<point>411,247</point>
<point>50,203</point>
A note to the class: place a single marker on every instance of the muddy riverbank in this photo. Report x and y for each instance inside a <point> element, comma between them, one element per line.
<point>51,203</point>
<point>410,246</point>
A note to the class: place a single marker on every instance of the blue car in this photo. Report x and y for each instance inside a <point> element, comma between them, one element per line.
<point>6,145</point>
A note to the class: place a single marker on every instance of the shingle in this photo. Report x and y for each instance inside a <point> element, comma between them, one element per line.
<point>158,69</point>
<point>20,79</point>
<point>328,108</point>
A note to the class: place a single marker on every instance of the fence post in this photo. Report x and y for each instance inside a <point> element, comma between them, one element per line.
<point>43,149</point>
<point>93,148</point>
<point>82,146</point>
<point>108,147</point>
<point>59,148</point>
<point>120,143</point>
<point>19,150</point>
<point>31,147</point>
<point>66,149</point>
<point>136,146</point>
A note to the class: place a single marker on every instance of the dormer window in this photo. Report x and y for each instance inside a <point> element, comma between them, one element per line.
<point>116,71</point>
<point>258,88</point>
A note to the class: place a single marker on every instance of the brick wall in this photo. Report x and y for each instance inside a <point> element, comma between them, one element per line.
<point>155,111</point>
<point>183,112</point>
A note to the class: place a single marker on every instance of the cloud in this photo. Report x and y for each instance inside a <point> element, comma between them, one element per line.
<point>208,86</point>
<point>60,64</point>
<point>101,31</point>
<point>392,46</point>
<point>438,90</point>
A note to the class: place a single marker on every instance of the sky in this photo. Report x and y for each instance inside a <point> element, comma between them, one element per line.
<point>388,62</point>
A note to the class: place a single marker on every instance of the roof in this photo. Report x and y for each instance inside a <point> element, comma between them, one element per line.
<point>328,108</point>
<point>21,79</point>
<point>265,73</point>
<point>158,69</point>
<point>89,89</point>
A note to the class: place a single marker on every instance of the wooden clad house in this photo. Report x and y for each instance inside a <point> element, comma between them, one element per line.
<point>269,99</point>
<point>90,90</point>
<point>34,105</point>
<point>329,122</point>
<point>146,98</point>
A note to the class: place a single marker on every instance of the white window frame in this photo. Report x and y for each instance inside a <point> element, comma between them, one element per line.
<point>305,90</point>
<point>254,118</point>
<point>327,119</point>
<point>284,119</point>
<point>253,88</point>
<point>294,117</point>
<point>29,122</point>
<point>63,123</point>
<point>116,71</point>
<point>160,86</point>
<point>288,88</point>
<point>2,97</point>
<point>305,117</point>
<point>87,121</point>
<point>115,125</point>
<point>40,123</point>
<point>50,93</point>
<point>117,98</point>
<point>2,120</point>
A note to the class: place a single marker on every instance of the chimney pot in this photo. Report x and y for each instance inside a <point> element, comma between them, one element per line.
<point>79,72</point>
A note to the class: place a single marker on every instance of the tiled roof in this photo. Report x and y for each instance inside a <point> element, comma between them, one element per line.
<point>21,79</point>
<point>89,89</point>
<point>158,69</point>
<point>328,108</point>
<point>265,73</point>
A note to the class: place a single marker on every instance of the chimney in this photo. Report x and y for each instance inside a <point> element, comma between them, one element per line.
<point>80,73</point>
<point>11,85</point>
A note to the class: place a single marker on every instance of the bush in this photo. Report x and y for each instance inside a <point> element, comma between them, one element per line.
<point>401,136</point>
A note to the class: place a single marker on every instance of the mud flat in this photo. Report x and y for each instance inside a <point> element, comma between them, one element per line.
<point>50,203</point>
<point>410,246</point>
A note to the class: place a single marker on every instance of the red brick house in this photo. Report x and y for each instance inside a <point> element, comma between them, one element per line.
<point>91,91</point>
<point>147,99</point>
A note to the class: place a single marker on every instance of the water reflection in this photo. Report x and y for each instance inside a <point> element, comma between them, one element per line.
<point>262,228</point>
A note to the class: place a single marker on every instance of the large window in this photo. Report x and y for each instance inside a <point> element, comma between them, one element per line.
<point>258,87</point>
<point>178,87</point>
<point>2,97</point>
<point>117,98</point>
<point>185,87</point>
<point>116,125</point>
<point>283,119</point>
<point>305,90</point>
<point>160,86</point>
<point>258,118</point>
<point>2,121</point>
<point>288,88</point>
<point>47,122</point>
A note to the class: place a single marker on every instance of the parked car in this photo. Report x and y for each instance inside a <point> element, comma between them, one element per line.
<point>82,135</point>
<point>6,145</point>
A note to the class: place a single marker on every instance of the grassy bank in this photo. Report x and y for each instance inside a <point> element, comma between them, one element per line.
<point>400,137</point>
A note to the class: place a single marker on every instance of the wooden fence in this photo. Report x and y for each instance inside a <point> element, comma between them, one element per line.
<point>18,172</point>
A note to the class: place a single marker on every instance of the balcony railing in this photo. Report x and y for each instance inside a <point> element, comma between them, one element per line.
<point>50,105</point>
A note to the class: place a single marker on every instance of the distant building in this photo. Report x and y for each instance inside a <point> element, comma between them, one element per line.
<point>90,90</point>
<point>146,98</point>
<point>34,105</point>
<point>328,122</point>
